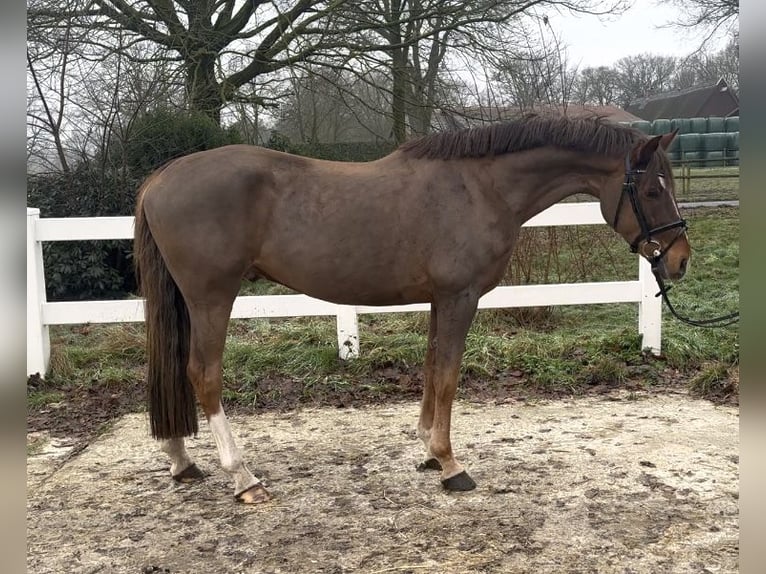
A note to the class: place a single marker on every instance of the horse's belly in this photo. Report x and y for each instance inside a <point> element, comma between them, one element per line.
<point>350,281</point>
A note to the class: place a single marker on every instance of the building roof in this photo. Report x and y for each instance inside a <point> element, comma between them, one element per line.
<point>478,115</point>
<point>699,101</point>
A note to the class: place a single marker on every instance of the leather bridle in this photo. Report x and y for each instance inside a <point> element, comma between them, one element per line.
<point>653,250</point>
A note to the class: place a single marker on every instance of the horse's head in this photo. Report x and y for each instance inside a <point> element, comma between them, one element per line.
<point>645,212</point>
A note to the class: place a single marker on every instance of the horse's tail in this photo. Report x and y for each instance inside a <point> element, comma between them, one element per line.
<point>172,408</point>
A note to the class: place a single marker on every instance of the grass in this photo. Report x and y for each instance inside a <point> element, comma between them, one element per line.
<point>707,184</point>
<point>563,349</point>
<point>715,380</point>
<point>107,353</point>
<point>44,398</point>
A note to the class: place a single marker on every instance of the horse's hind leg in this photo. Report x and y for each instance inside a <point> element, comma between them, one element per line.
<point>208,335</point>
<point>182,467</point>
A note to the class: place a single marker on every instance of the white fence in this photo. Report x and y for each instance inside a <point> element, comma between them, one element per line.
<point>42,313</point>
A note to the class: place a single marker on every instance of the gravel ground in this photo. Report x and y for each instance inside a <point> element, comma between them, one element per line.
<point>624,483</point>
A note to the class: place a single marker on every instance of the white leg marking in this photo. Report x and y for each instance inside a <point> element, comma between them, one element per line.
<point>231,456</point>
<point>425,436</point>
<point>179,458</point>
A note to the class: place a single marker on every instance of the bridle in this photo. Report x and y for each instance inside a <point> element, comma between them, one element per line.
<point>653,250</point>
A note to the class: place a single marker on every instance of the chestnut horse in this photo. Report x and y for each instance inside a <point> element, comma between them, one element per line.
<point>435,221</point>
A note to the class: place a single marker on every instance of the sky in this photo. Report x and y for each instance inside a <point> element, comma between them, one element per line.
<point>592,42</point>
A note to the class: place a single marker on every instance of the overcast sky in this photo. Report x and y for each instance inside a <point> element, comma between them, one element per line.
<point>593,42</point>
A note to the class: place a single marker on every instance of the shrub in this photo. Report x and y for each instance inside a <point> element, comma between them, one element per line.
<point>163,134</point>
<point>106,186</point>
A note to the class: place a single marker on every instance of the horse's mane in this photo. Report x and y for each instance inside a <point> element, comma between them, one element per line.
<point>592,135</point>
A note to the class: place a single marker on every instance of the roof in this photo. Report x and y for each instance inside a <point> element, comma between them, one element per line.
<point>698,101</point>
<point>478,115</point>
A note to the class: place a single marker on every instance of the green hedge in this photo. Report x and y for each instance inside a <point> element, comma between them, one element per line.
<point>85,269</point>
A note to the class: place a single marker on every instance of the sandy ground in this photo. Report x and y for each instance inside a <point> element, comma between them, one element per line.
<point>618,484</point>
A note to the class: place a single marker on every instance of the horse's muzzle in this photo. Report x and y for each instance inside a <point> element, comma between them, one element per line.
<point>671,272</point>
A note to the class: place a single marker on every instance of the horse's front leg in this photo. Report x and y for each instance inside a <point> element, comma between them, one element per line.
<point>454,315</point>
<point>426,420</point>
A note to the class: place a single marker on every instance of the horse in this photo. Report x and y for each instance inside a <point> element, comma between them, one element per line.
<point>435,221</point>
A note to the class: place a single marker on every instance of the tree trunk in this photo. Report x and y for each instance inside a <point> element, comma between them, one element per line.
<point>399,94</point>
<point>202,89</point>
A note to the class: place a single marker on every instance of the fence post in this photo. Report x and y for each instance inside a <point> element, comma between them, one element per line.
<point>38,339</point>
<point>649,309</point>
<point>348,332</point>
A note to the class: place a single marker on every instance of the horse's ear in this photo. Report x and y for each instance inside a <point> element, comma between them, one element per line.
<point>645,151</point>
<point>667,139</point>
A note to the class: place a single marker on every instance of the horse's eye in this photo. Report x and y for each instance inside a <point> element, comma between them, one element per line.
<point>653,192</point>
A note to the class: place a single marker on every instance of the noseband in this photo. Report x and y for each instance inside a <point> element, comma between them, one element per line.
<point>652,249</point>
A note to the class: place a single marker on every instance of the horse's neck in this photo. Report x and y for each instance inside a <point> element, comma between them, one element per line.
<point>539,179</point>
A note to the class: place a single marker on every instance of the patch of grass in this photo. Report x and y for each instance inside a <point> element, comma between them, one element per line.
<point>604,369</point>
<point>111,354</point>
<point>706,184</point>
<point>42,398</point>
<point>715,380</point>
<point>264,287</point>
<point>305,349</point>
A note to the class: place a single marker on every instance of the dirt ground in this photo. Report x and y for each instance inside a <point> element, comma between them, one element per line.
<point>623,483</point>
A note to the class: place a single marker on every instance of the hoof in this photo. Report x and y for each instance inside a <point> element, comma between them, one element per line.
<point>191,473</point>
<point>459,482</point>
<point>256,494</point>
<point>430,464</point>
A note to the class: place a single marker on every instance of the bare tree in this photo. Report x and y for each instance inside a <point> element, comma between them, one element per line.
<point>643,75</point>
<point>417,36</point>
<point>332,105</point>
<point>233,58</point>
<point>50,52</point>
<point>83,98</point>
<point>599,86</point>
<point>538,74</point>
<point>713,17</point>
<point>45,108</point>
<point>204,36</point>
<point>707,68</point>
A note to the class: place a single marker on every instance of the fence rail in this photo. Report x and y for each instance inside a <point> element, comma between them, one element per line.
<point>41,313</point>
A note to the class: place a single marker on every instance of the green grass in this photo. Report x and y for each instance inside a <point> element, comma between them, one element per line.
<point>81,356</point>
<point>706,184</point>
<point>43,398</point>
<point>567,348</point>
<point>715,379</point>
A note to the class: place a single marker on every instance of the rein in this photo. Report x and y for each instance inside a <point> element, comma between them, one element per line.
<point>722,321</point>
<point>630,188</point>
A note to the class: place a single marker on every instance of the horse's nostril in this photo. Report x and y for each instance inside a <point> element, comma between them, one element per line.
<point>684,263</point>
